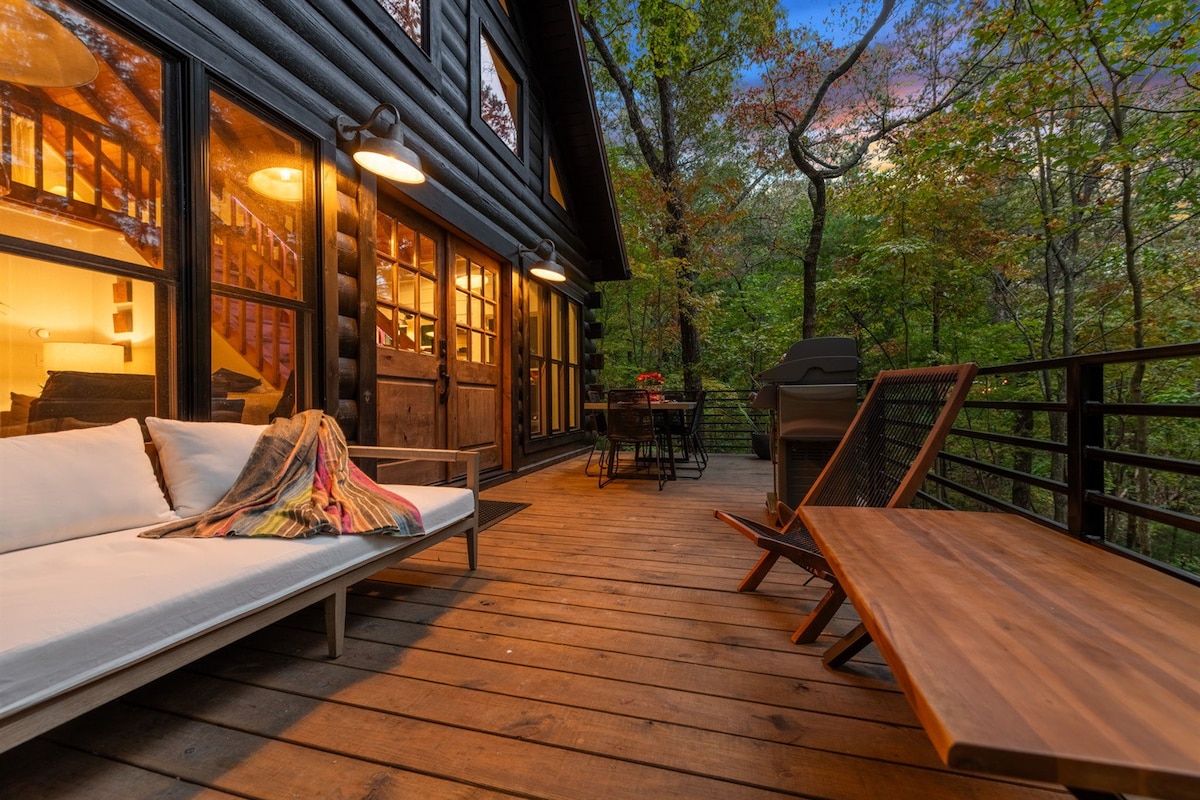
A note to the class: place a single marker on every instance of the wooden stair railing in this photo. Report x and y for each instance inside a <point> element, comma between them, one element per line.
<point>108,178</point>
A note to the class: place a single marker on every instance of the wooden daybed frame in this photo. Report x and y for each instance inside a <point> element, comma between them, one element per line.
<point>34,720</point>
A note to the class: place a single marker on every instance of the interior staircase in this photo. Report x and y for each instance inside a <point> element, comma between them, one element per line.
<point>80,169</point>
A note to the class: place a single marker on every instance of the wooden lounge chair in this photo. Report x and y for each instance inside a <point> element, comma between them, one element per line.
<point>881,462</point>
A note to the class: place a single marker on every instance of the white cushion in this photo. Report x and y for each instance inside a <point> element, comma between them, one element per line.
<point>70,484</point>
<point>201,460</point>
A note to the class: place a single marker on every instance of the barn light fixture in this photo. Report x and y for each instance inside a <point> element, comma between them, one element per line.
<point>387,156</point>
<point>546,266</point>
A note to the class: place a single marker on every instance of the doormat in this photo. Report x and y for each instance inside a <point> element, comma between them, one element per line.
<point>492,511</point>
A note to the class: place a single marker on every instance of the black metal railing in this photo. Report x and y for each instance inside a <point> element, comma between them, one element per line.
<point>729,422</point>
<point>1103,447</point>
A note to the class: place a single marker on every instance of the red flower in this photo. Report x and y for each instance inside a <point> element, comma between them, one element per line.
<point>650,377</point>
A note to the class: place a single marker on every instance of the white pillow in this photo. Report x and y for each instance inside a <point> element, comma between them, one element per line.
<point>201,460</point>
<point>70,484</point>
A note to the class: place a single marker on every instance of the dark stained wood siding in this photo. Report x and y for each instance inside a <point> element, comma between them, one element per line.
<point>312,61</point>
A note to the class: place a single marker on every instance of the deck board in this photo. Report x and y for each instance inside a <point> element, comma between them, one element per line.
<point>599,651</point>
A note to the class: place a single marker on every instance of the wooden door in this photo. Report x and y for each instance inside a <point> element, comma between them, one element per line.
<point>410,335</point>
<point>476,298</point>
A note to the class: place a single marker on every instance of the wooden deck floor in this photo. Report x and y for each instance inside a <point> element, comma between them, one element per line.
<point>598,652</point>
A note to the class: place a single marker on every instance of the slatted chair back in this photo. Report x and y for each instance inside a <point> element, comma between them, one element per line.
<point>881,462</point>
<point>629,417</point>
<point>895,437</point>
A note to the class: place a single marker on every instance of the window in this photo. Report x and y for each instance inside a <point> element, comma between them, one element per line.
<point>86,278</point>
<point>554,361</point>
<point>409,14</point>
<point>405,287</point>
<point>262,224</point>
<point>475,302</point>
<point>499,95</point>
<point>554,183</point>
<point>95,282</point>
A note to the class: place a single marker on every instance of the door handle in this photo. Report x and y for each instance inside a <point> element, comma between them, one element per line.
<point>444,383</point>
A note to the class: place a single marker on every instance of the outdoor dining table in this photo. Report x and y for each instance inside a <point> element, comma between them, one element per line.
<point>661,408</point>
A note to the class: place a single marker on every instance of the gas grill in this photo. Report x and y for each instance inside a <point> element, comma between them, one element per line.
<point>812,394</point>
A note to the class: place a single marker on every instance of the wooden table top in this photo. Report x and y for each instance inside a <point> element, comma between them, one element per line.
<point>1025,652</point>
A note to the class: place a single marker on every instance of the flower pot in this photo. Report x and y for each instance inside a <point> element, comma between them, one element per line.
<point>760,443</point>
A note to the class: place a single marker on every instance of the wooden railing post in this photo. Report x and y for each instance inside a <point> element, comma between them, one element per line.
<point>1085,429</point>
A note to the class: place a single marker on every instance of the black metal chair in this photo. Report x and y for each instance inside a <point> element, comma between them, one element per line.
<point>881,462</point>
<point>631,424</point>
<point>598,423</point>
<point>685,427</point>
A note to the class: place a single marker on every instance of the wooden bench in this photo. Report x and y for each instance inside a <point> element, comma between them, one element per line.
<point>1024,652</point>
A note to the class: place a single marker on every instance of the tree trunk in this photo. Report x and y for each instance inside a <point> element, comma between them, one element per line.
<point>685,288</point>
<point>816,198</point>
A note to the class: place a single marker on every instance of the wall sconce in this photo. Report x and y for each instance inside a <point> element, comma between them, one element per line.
<point>49,54</point>
<point>387,155</point>
<point>546,267</point>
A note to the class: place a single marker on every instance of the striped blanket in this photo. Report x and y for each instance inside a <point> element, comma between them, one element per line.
<point>299,482</point>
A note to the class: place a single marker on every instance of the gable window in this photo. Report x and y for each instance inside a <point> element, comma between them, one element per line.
<point>409,15</point>
<point>499,95</point>
<point>554,183</point>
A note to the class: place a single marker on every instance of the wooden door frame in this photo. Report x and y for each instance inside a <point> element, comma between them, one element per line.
<point>456,244</point>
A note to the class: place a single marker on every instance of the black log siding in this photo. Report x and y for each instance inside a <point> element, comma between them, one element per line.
<point>349,352</point>
<point>313,60</point>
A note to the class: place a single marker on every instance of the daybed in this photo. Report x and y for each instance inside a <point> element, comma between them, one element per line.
<point>89,610</point>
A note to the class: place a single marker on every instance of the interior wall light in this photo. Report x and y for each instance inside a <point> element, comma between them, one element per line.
<point>48,55</point>
<point>546,266</point>
<point>285,184</point>
<point>388,155</point>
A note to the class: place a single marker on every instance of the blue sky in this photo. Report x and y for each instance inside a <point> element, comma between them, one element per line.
<point>816,13</point>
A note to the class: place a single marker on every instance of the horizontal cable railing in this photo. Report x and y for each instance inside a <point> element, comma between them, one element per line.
<point>1104,447</point>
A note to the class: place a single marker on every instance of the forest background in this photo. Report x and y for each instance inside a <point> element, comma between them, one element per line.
<point>985,180</point>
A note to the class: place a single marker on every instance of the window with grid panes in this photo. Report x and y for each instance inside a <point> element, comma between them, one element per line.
<point>554,362</point>
<point>476,297</point>
<point>406,312</point>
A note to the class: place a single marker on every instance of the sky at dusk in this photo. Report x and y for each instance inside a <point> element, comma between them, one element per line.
<point>819,14</point>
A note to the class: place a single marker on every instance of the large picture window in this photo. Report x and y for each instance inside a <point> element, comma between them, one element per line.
<point>82,188</point>
<point>93,231</point>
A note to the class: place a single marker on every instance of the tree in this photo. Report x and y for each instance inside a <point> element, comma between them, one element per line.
<point>835,104</point>
<point>670,68</point>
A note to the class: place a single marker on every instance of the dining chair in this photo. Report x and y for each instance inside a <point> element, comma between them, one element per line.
<point>685,427</point>
<point>598,423</point>
<point>631,424</point>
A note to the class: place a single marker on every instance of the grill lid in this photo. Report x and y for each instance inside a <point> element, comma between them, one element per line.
<point>828,359</point>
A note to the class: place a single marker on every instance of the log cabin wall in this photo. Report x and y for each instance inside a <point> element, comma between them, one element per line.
<point>311,61</point>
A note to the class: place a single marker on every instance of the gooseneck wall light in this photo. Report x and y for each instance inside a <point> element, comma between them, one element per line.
<point>546,265</point>
<point>388,155</point>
